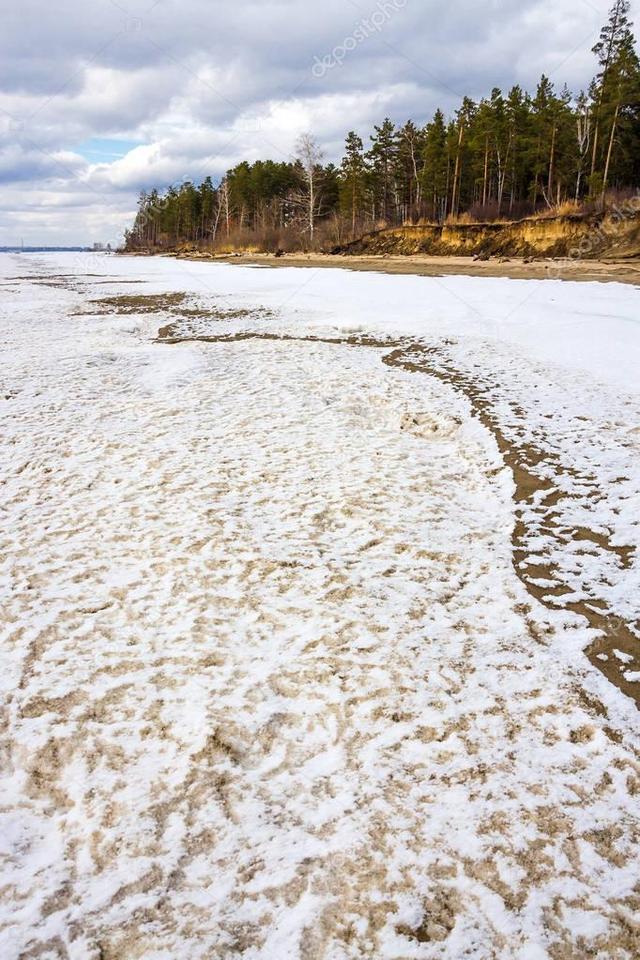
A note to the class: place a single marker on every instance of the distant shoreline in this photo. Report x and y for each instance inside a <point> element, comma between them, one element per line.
<point>47,250</point>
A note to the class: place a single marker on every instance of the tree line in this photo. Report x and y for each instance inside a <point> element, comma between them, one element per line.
<point>506,156</point>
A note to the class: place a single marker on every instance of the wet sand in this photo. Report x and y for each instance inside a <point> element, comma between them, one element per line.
<point>603,271</point>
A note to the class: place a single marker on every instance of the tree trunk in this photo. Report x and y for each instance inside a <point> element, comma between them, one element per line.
<point>446,194</point>
<point>595,145</point>
<point>607,165</point>
<point>455,193</point>
<point>552,160</point>
<point>486,172</point>
<point>353,211</point>
<point>418,190</point>
<point>312,203</point>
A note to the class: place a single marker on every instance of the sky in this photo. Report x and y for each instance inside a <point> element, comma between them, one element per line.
<point>101,99</point>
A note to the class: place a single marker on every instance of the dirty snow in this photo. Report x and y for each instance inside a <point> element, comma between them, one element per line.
<point>271,686</point>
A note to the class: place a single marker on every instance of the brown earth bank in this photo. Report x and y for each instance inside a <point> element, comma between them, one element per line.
<point>603,248</point>
<point>575,237</point>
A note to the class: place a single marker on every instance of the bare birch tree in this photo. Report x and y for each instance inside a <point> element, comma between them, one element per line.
<point>309,156</point>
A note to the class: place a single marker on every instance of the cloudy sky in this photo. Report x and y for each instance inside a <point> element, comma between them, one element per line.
<point>100,99</point>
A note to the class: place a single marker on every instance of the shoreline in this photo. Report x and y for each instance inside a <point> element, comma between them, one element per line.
<point>514,268</point>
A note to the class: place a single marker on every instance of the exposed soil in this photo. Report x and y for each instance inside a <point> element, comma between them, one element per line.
<point>143,303</point>
<point>516,268</point>
<point>169,302</point>
<point>576,237</point>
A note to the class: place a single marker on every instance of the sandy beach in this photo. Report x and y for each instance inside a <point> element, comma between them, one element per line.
<point>319,613</point>
<point>602,271</point>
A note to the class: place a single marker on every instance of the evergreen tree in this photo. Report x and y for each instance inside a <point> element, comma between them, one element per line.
<point>382,157</point>
<point>353,179</point>
<point>614,94</point>
<point>435,164</point>
<point>409,144</point>
<point>462,188</point>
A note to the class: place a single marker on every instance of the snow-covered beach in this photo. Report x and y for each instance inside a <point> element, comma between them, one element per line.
<point>272,683</point>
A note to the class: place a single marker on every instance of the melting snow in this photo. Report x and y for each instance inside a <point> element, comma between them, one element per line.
<point>271,686</point>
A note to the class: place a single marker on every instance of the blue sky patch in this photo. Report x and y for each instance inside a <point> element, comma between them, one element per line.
<point>105,150</point>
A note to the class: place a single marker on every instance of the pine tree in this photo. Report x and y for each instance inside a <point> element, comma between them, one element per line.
<point>435,163</point>
<point>464,121</point>
<point>353,179</point>
<point>583,128</point>
<point>614,92</point>
<point>409,143</point>
<point>382,157</point>
<point>518,111</point>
